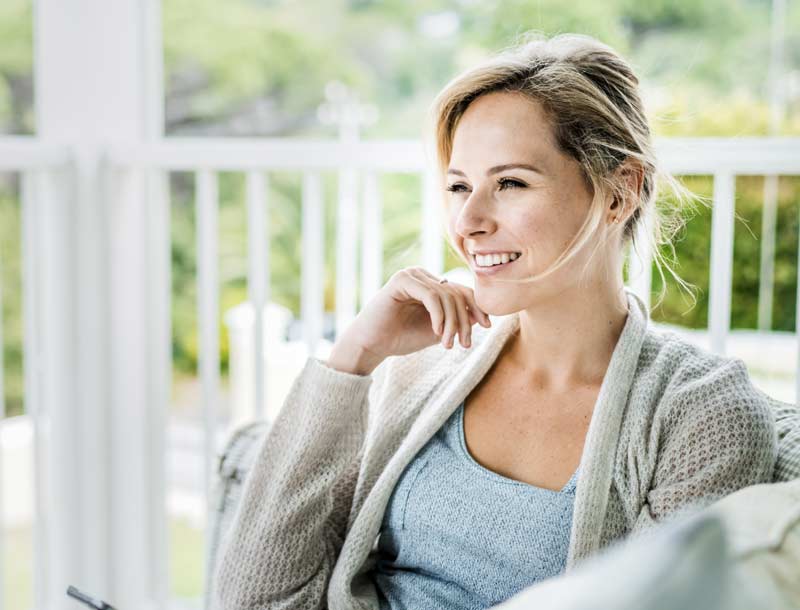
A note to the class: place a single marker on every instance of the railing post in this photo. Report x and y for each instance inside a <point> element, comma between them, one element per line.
<point>640,263</point>
<point>371,239</point>
<point>346,247</point>
<point>797,326</point>
<point>766,277</point>
<point>719,315</point>
<point>432,253</point>
<point>104,455</point>
<point>312,296</point>
<point>34,369</point>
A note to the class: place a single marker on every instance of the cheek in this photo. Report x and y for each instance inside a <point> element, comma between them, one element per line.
<point>533,225</point>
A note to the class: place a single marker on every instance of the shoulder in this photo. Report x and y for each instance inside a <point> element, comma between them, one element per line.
<point>702,393</point>
<point>680,363</point>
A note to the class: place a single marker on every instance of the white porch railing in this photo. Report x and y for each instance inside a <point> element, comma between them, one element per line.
<point>96,273</point>
<point>42,169</point>
<point>135,223</point>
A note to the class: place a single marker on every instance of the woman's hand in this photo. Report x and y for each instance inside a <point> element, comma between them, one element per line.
<point>411,312</point>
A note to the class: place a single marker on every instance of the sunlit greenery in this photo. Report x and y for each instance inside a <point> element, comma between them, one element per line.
<point>260,67</point>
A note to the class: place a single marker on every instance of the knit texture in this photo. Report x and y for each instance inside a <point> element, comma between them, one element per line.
<point>458,536</point>
<point>674,428</point>
<point>787,423</point>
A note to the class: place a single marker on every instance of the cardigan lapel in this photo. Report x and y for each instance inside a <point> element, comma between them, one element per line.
<point>596,465</point>
<point>597,462</point>
<point>432,416</point>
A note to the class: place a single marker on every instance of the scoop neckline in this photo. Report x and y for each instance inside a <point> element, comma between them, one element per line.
<point>568,487</point>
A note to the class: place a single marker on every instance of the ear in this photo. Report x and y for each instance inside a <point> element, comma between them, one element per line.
<point>630,174</point>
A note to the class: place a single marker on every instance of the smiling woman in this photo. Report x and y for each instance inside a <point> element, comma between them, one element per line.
<point>565,119</point>
<point>407,471</point>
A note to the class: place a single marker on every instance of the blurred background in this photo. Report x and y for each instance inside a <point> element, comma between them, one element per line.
<point>239,86</point>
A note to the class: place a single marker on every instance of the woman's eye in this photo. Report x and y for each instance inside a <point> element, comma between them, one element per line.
<point>509,183</point>
<point>505,183</point>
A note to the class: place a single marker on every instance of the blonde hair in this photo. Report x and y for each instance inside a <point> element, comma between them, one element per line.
<point>590,94</point>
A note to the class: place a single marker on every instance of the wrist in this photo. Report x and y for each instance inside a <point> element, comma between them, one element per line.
<point>353,360</point>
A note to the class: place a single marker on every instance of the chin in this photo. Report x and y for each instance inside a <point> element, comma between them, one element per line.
<point>495,304</point>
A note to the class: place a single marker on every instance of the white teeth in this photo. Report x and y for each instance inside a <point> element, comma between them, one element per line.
<point>490,260</point>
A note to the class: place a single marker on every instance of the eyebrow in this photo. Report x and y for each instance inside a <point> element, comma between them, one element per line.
<point>500,168</point>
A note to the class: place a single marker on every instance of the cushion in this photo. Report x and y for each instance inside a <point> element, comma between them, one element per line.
<point>762,526</point>
<point>238,455</point>
<point>740,553</point>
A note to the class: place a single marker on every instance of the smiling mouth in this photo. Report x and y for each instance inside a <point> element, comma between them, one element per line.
<point>495,266</point>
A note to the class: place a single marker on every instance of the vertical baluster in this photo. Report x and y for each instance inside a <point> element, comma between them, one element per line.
<point>721,259</point>
<point>258,280</point>
<point>129,385</point>
<point>766,276</point>
<point>312,296</point>
<point>346,248</point>
<point>797,326</point>
<point>33,371</point>
<point>432,252</point>
<point>371,239</point>
<point>640,263</point>
<point>159,351</point>
<point>207,199</point>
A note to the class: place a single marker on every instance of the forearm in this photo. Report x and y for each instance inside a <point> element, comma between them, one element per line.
<point>297,497</point>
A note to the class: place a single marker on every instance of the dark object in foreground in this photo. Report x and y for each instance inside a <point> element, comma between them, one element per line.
<point>97,604</point>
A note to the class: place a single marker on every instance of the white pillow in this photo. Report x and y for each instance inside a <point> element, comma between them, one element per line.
<point>762,527</point>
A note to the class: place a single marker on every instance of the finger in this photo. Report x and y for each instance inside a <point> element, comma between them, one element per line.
<point>476,313</point>
<point>458,317</point>
<point>427,273</point>
<point>420,289</point>
<point>465,328</point>
<point>474,318</point>
<point>480,316</point>
<point>450,318</point>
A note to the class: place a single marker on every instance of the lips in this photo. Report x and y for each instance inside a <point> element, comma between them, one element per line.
<point>494,269</point>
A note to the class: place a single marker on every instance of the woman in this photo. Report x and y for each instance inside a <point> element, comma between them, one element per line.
<point>410,472</point>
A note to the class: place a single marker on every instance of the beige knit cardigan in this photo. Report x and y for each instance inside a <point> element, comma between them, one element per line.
<point>674,428</point>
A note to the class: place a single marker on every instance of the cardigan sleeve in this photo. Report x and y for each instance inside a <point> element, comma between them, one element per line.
<point>718,435</point>
<point>290,524</point>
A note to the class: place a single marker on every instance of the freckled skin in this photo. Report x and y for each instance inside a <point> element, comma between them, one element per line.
<point>538,220</point>
<point>570,320</point>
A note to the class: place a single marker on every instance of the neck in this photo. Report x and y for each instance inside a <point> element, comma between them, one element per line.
<point>567,341</point>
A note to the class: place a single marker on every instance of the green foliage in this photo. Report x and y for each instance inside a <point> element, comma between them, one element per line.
<point>259,67</point>
<point>11,288</point>
<point>16,63</point>
<point>692,265</point>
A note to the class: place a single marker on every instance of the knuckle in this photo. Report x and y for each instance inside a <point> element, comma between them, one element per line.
<point>399,275</point>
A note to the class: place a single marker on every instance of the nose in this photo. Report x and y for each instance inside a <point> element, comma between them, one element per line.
<point>474,215</point>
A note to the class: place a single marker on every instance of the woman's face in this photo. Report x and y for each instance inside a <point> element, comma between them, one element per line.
<point>497,206</point>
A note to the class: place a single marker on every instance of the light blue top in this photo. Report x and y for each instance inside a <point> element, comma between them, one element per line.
<point>456,535</point>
